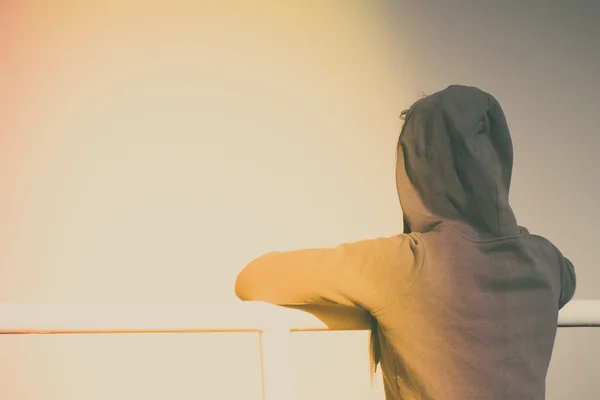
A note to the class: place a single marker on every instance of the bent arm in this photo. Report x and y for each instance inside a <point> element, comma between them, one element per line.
<point>366,275</point>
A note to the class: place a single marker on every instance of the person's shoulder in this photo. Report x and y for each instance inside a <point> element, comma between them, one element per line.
<point>550,247</point>
<point>535,236</point>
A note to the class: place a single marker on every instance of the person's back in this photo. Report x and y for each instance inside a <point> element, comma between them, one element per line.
<point>465,302</point>
<point>478,323</point>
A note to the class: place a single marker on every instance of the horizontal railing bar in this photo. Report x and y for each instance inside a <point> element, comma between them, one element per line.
<point>153,318</point>
<point>18,318</point>
<point>124,331</point>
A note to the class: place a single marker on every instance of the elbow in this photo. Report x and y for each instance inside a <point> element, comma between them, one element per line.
<point>250,282</point>
<point>240,288</point>
<point>245,285</point>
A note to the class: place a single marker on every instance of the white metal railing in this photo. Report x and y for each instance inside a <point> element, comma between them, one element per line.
<point>272,323</point>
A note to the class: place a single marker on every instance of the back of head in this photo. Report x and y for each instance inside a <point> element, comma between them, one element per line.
<point>454,164</point>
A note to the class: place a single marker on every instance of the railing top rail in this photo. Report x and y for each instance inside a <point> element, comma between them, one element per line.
<point>230,317</point>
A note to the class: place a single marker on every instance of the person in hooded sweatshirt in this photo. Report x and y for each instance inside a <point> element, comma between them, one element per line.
<point>464,303</point>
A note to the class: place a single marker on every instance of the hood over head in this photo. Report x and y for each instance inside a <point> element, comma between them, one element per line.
<point>454,165</point>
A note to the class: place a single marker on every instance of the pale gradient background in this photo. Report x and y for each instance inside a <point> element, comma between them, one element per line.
<point>151,149</point>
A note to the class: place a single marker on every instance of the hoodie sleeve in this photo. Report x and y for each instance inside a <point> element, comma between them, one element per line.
<point>568,282</point>
<point>369,274</point>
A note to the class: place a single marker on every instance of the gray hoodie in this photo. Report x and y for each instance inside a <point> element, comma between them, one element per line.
<point>465,302</point>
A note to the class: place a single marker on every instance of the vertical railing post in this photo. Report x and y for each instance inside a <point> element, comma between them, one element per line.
<point>276,364</point>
